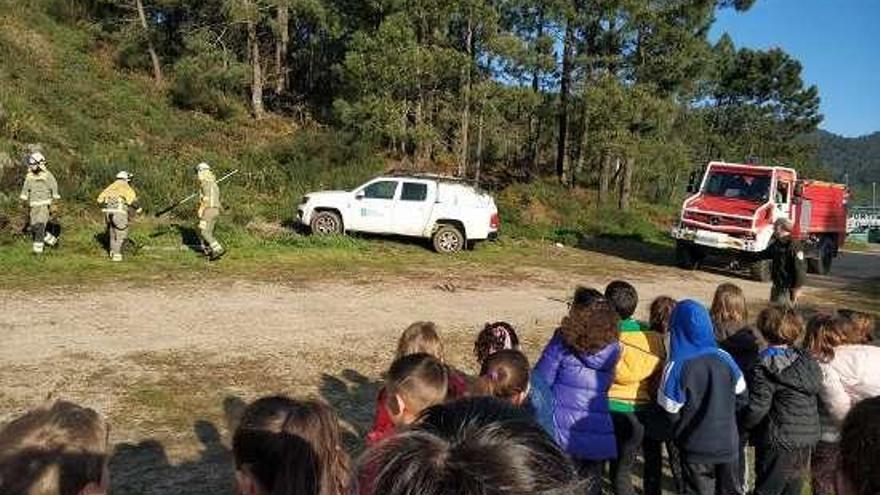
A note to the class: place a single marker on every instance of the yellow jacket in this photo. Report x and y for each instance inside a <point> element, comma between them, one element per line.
<point>638,369</point>
<point>117,197</point>
<point>209,193</point>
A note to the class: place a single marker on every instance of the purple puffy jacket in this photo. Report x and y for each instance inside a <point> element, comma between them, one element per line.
<point>580,384</point>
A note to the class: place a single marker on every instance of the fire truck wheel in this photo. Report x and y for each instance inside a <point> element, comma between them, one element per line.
<point>760,270</point>
<point>822,264</point>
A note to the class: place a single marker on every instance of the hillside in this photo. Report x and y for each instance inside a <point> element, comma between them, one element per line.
<point>857,157</point>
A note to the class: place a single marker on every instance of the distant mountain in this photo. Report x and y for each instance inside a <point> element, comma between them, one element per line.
<point>858,157</point>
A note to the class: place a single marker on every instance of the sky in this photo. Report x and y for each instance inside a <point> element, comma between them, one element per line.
<point>837,43</point>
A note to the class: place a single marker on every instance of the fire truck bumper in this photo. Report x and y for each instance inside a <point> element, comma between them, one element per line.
<point>715,240</point>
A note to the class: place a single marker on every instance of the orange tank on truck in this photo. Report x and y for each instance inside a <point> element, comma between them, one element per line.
<point>731,211</point>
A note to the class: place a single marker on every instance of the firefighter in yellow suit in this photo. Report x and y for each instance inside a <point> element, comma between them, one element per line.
<point>115,201</point>
<point>209,211</point>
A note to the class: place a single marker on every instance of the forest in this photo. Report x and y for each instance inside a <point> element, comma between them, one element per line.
<point>623,96</point>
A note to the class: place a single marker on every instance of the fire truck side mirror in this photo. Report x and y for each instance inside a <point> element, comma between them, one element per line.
<point>692,183</point>
<point>798,190</point>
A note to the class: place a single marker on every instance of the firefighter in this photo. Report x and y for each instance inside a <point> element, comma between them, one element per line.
<point>40,191</point>
<point>116,200</point>
<point>209,210</point>
<point>788,270</point>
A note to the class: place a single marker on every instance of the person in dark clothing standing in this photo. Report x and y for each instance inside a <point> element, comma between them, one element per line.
<point>701,389</point>
<point>788,269</point>
<point>783,410</point>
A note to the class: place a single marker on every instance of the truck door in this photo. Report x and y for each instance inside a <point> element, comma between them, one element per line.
<point>412,208</point>
<point>373,206</point>
<point>782,198</point>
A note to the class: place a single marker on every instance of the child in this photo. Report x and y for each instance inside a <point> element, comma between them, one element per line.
<point>415,382</point>
<point>730,315</point>
<point>632,394</point>
<point>474,446</point>
<point>861,326</point>
<point>701,389</point>
<point>783,406</point>
<point>284,446</point>
<point>420,337</point>
<point>850,373</point>
<point>61,449</point>
<point>578,365</point>
<point>860,449</point>
<point>505,375</point>
<point>493,338</point>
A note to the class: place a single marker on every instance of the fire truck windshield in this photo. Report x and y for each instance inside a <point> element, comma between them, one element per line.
<point>741,186</point>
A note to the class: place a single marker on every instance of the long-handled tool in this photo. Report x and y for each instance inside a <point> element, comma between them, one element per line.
<point>193,195</point>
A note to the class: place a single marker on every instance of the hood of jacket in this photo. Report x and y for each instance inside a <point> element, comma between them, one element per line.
<point>692,332</point>
<point>793,368</point>
<point>604,360</point>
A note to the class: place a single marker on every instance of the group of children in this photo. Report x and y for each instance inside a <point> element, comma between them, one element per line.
<point>701,384</point>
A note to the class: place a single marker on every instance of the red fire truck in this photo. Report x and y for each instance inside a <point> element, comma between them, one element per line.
<point>730,214</point>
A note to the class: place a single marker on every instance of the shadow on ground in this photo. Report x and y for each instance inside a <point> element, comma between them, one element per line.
<point>353,395</point>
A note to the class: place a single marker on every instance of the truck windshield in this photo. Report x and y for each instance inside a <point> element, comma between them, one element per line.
<point>740,186</point>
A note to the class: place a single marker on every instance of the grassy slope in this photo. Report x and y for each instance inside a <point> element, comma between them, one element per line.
<point>59,88</point>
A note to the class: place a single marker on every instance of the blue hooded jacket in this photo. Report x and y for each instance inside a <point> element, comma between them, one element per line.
<point>702,386</point>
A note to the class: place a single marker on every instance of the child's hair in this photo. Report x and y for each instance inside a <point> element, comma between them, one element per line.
<point>729,304</point>
<point>57,449</point>
<point>504,375</point>
<point>420,337</point>
<point>477,446</point>
<point>584,296</point>
<point>589,329</point>
<point>861,329</point>
<point>493,338</point>
<point>420,379</point>
<point>292,447</point>
<point>824,333</point>
<point>860,447</point>
<point>780,326</point>
<point>661,310</point>
<point>623,298</point>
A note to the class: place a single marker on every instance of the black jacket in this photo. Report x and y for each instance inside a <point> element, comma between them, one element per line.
<point>705,428</point>
<point>788,269</point>
<point>783,400</point>
<point>742,342</point>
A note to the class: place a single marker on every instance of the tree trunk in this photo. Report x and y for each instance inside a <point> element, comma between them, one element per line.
<point>466,110</point>
<point>154,57</point>
<point>534,123</point>
<point>582,142</point>
<point>562,140</point>
<point>627,166</point>
<point>604,178</point>
<point>479,167</point>
<point>257,82</point>
<point>281,46</point>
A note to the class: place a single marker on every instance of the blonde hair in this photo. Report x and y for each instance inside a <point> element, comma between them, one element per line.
<point>729,304</point>
<point>420,337</point>
<point>861,327</point>
<point>56,449</point>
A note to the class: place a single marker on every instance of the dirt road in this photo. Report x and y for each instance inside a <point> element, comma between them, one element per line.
<point>169,364</point>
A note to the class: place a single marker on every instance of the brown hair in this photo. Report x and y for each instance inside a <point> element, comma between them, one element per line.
<point>590,329</point>
<point>420,337</point>
<point>661,310</point>
<point>729,305</point>
<point>292,447</point>
<point>824,333</point>
<point>420,379</point>
<point>860,447</point>
<point>504,375</point>
<point>493,338</point>
<point>779,326</point>
<point>861,328</point>
<point>57,449</point>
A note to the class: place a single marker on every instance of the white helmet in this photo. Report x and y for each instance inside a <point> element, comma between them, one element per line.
<point>36,159</point>
<point>123,175</point>
<point>202,167</point>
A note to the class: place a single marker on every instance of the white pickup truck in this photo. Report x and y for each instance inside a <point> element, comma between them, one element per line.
<point>451,213</point>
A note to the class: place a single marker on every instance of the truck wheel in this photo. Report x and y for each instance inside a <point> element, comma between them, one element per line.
<point>685,257</point>
<point>448,239</point>
<point>326,223</point>
<point>760,270</point>
<point>822,264</point>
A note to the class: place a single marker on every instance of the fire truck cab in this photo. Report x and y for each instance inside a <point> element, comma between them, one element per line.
<point>731,212</point>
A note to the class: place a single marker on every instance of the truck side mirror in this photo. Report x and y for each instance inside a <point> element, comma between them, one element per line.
<point>691,189</point>
<point>359,195</point>
<point>692,183</point>
<point>798,190</point>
